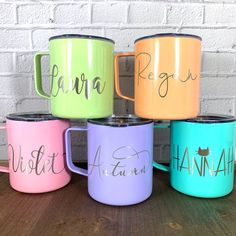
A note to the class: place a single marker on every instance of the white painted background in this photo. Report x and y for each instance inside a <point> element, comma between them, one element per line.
<point>25,27</point>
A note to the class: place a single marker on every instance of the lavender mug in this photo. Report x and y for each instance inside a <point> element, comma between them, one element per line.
<point>120,155</point>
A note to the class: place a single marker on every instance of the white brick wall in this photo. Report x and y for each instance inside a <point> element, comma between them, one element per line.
<point>25,27</point>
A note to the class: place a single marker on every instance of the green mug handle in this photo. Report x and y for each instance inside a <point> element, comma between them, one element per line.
<point>38,74</point>
<point>161,125</point>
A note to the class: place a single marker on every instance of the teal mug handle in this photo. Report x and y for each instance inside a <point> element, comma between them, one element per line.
<point>161,125</point>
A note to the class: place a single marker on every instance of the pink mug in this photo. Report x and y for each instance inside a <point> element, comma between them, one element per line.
<point>36,152</point>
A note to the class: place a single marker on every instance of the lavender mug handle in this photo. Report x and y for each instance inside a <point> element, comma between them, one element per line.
<point>161,125</point>
<point>69,162</point>
<point>4,169</point>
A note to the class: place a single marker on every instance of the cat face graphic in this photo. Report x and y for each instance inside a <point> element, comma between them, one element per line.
<point>203,152</point>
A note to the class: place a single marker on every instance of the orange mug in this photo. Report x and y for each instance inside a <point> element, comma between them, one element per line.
<point>167,76</point>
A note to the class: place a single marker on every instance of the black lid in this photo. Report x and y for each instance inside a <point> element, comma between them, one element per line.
<point>120,121</point>
<point>212,119</point>
<point>63,36</point>
<point>31,116</point>
<point>169,35</point>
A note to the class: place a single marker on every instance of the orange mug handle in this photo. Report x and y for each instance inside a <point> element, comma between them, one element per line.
<point>117,81</point>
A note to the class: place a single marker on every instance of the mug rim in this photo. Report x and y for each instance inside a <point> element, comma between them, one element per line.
<point>32,116</point>
<point>211,119</point>
<point>112,121</point>
<point>84,36</point>
<point>169,35</point>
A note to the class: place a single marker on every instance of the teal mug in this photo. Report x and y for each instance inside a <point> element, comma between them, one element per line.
<point>81,76</point>
<point>202,152</point>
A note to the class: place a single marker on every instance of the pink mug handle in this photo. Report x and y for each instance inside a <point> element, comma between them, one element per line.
<point>4,168</point>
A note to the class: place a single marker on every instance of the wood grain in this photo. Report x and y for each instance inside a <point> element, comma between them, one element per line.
<point>70,211</point>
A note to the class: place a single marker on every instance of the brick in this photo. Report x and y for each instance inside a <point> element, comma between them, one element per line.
<point>80,123</point>
<point>152,13</point>
<point>46,86</point>
<point>109,13</point>
<point>33,14</point>
<point>79,138</point>
<point>120,106</point>
<point>186,14</point>
<point>221,106</point>
<point>234,113</point>
<point>45,65</point>
<point>41,36</point>
<point>125,38</point>
<point>214,39</point>
<point>130,107</point>
<point>7,106</point>
<point>6,64</point>
<point>162,136</point>
<point>7,13</point>
<point>126,86</point>
<point>72,14</point>
<point>217,1</point>
<point>156,153</point>
<point>165,154</point>
<point>32,104</point>
<point>161,154</point>
<point>14,39</point>
<point>3,138</point>
<point>220,14</point>
<point>25,63</point>
<point>79,153</point>
<point>126,66</point>
<point>3,153</point>
<point>218,86</point>
<point>218,63</point>
<point>14,86</point>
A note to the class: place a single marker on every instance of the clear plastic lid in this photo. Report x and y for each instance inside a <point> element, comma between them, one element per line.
<point>120,121</point>
<point>67,36</point>
<point>169,35</point>
<point>208,118</point>
<point>31,116</point>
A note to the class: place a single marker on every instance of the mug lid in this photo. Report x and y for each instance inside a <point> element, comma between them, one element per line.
<point>169,35</point>
<point>212,118</point>
<point>120,121</point>
<point>84,36</point>
<point>31,116</point>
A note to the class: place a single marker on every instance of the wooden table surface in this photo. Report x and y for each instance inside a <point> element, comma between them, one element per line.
<point>70,211</point>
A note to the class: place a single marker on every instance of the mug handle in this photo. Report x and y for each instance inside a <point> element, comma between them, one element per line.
<point>161,125</point>
<point>117,81</point>
<point>69,162</point>
<point>4,169</point>
<point>38,74</point>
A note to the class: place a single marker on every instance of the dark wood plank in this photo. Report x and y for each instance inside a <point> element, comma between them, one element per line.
<point>70,211</point>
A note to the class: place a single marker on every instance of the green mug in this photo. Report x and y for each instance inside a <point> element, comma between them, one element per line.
<point>81,76</point>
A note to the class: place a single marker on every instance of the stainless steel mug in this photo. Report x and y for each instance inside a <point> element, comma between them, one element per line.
<point>82,82</point>
<point>120,155</point>
<point>202,152</point>
<point>36,152</point>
